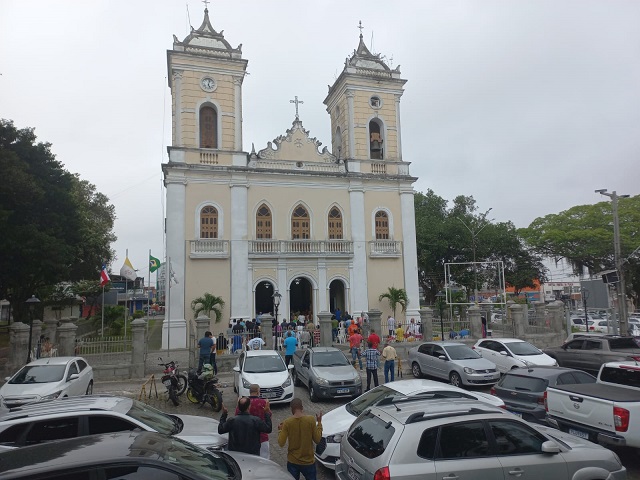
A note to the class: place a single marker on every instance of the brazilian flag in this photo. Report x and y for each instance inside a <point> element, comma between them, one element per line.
<point>154,264</point>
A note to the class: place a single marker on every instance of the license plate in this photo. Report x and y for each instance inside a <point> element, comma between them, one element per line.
<point>342,390</point>
<point>517,414</point>
<point>167,383</point>
<point>352,474</point>
<point>579,433</point>
<point>269,395</point>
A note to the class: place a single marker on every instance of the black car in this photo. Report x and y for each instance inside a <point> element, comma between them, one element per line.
<point>131,455</point>
<point>522,389</point>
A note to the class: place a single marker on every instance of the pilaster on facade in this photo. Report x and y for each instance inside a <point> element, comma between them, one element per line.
<point>176,92</point>
<point>351,121</point>
<point>410,253</point>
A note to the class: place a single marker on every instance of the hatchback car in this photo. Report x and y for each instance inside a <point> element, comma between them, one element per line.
<point>48,378</point>
<point>461,439</point>
<point>523,389</point>
<point>337,421</point>
<point>78,417</point>
<point>132,455</point>
<point>267,369</point>
<point>454,362</point>
<point>508,353</point>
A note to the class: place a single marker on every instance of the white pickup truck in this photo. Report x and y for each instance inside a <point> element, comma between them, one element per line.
<point>605,412</point>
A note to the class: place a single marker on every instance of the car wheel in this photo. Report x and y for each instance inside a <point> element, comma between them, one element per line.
<point>455,379</point>
<point>312,393</point>
<point>415,369</point>
<point>89,388</point>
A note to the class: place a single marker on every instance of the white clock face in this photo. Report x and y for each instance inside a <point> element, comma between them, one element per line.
<point>208,84</point>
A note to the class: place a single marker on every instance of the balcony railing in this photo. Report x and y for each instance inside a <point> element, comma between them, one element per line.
<point>301,247</point>
<point>384,248</point>
<point>209,248</point>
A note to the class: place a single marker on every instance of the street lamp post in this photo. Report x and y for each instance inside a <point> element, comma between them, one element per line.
<point>276,303</point>
<point>440,296</point>
<point>31,305</point>
<point>622,296</point>
<point>473,246</point>
<point>585,295</point>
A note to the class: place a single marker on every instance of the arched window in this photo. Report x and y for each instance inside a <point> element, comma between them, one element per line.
<point>208,222</point>
<point>335,224</point>
<point>263,222</point>
<point>382,225</point>
<point>208,127</point>
<point>300,229</point>
<point>375,141</point>
<point>337,147</point>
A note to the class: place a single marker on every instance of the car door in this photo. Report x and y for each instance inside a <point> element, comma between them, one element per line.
<point>424,358</point>
<point>86,374</point>
<point>439,367</point>
<point>73,387</point>
<point>490,349</point>
<point>592,358</point>
<point>570,355</point>
<point>519,450</point>
<point>463,453</point>
<point>305,364</point>
<point>237,376</point>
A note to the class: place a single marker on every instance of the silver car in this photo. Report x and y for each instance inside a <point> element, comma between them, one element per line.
<point>452,361</point>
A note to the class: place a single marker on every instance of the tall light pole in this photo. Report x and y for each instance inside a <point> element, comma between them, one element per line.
<point>276,303</point>
<point>441,296</point>
<point>622,295</point>
<point>473,246</point>
<point>31,305</point>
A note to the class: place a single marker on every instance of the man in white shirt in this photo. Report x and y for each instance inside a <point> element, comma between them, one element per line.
<point>255,344</point>
<point>391,325</point>
<point>412,329</point>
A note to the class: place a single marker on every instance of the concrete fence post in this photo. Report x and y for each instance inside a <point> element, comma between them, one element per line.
<point>138,327</point>
<point>426,319</point>
<point>375,322</point>
<point>202,325</point>
<point>325,328</point>
<point>475,321</point>
<point>51,330</point>
<point>266,331</point>
<point>19,339</point>
<point>519,321</point>
<point>36,331</point>
<point>67,336</point>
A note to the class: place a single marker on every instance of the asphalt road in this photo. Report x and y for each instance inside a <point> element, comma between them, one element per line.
<point>630,457</point>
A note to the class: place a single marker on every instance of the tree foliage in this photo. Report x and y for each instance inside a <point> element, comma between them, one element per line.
<point>395,297</point>
<point>583,236</point>
<point>208,303</point>
<point>55,227</point>
<point>449,234</point>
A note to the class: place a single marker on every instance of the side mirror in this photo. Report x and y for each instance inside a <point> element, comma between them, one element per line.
<point>290,366</point>
<point>550,447</point>
<point>236,369</point>
<point>73,376</point>
<point>442,357</point>
<point>502,352</point>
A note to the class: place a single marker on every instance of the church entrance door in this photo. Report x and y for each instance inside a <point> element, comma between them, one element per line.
<point>301,298</point>
<point>337,297</point>
<point>263,298</point>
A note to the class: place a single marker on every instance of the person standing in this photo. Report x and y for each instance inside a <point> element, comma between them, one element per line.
<point>400,333</point>
<point>301,431</point>
<point>255,343</point>
<point>212,357</point>
<point>374,338</point>
<point>371,356</point>
<point>338,314</point>
<point>205,344</point>
<point>244,429</point>
<point>354,346</point>
<point>290,345</point>
<point>389,354</point>
<point>391,325</point>
<point>257,409</point>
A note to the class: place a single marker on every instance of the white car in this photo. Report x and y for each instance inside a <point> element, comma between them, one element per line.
<point>336,422</point>
<point>267,369</point>
<point>47,379</point>
<point>508,353</point>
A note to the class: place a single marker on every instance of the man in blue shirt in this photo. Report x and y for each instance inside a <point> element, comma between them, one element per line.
<point>206,345</point>
<point>290,345</point>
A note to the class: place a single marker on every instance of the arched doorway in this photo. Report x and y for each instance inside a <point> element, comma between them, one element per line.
<point>337,297</point>
<point>301,297</point>
<point>263,298</point>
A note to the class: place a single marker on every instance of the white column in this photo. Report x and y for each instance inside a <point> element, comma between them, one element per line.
<point>323,297</point>
<point>178,141</point>
<point>176,244</point>
<point>352,125</point>
<point>410,253</point>
<point>359,301</point>
<point>398,129</point>
<point>237,88</point>
<point>240,304</point>
<point>283,309</point>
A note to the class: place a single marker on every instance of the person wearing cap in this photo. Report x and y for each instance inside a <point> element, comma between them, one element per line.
<point>389,354</point>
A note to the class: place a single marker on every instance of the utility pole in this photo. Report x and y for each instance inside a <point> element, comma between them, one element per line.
<point>622,295</point>
<point>473,246</point>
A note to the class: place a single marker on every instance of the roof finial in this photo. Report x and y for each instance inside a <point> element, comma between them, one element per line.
<point>206,5</point>
<point>296,101</point>
<point>360,27</point>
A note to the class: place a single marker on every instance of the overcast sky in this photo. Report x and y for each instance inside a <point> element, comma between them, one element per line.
<point>527,105</point>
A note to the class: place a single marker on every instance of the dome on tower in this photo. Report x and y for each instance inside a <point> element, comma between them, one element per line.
<point>206,41</point>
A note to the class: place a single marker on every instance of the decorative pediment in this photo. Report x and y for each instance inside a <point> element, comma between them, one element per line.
<point>296,146</point>
<point>206,41</point>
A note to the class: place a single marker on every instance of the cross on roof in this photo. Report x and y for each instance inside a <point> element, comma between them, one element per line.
<point>206,3</point>
<point>296,101</point>
<point>360,27</point>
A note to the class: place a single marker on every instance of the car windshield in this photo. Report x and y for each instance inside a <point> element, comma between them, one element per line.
<point>329,359</point>
<point>160,422</point>
<point>523,348</point>
<point>461,352</point>
<point>39,374</point>
<point>373,397</point>
<point>264,364</point>
<point>198,461</point>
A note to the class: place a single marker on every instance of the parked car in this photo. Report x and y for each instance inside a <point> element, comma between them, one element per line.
<point>267,369</point>
<point>508,353</point>
<point>589,353</point>
<point>606,412</point>
<point>461,439</point>
<point>326,373</point>
<point>602,326</point>
<point>82,416</point>
<point>132,455</point>
<point>454,362</point>
<point>523,389</point>
<point>48,378</point>
<point>337,421</point>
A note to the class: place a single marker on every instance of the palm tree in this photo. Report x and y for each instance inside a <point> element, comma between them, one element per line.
<point>208,303</point>
<point>395,297</point>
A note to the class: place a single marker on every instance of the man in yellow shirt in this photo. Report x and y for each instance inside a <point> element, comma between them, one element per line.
<point>389,354</point>
<point>399,334</point>
<point>302,431</point>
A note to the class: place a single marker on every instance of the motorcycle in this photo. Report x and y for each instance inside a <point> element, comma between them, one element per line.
<point>203,388</point>
<point>175,382</point>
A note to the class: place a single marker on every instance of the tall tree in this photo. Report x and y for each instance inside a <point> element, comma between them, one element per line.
<point>49,220</point>
<point>395,297</point>
<point>208,303</point>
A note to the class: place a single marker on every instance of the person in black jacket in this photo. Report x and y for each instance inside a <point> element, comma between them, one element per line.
<point>244,429</point>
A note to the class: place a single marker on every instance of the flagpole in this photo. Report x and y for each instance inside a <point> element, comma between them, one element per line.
<point>149,288</point>
<point>126,298</point>
<point>102,330</point>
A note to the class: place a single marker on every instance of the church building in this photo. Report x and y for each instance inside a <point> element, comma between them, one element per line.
<point>324,228</point>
